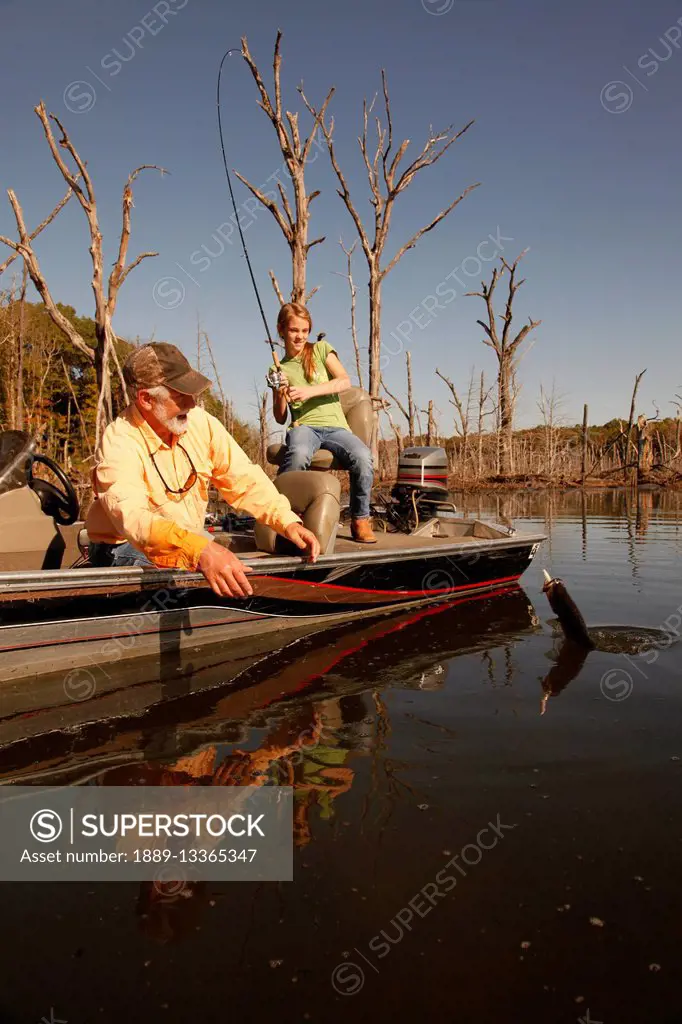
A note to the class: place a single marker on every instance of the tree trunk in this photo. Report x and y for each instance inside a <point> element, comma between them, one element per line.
<point>410,399</point>
<point>374,353</point>
<point>505,420</point>
<point>298,260</point>
<point>263,431</point>
<point>583,469</point>
<point>20,350</point>
<point>103,378</point>
<point>430,429</point>
<point>481,404</point>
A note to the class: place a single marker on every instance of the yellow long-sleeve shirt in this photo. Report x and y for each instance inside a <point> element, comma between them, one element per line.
<point>132,502</point>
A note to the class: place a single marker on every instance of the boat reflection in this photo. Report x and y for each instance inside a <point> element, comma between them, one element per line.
<point>302,718</point>
<point>407,649</point>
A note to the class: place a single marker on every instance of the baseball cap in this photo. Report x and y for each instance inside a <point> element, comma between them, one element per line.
<point>161,363</point>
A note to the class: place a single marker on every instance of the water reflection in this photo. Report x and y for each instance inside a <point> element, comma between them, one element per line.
<point>568,662</point>
<point>402,736</point>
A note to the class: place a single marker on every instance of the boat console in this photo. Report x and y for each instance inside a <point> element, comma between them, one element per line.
<point>38,519</point>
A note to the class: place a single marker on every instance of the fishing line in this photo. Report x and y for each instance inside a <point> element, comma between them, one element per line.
<point>236,215</point>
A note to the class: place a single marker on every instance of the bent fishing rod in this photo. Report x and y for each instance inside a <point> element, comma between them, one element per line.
<point>228,53</point>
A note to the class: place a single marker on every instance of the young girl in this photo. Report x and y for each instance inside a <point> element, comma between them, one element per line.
<point>315,379</point>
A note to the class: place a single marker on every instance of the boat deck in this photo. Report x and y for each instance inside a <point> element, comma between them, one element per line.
<point>243,544</point>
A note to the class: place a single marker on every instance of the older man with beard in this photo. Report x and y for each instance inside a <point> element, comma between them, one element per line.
<point>153,471</point>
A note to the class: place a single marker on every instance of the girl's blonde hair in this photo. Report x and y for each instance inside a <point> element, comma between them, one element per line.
<point>296,309</point>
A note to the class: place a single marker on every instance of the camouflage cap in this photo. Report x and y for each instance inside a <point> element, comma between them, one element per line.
<point>160,363</point>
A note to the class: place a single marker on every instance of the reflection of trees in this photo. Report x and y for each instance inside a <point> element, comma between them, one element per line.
<point>645,506</point>
<point>508,669</point>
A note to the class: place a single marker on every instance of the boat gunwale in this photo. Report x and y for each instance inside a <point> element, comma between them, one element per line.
<point>18,581</point>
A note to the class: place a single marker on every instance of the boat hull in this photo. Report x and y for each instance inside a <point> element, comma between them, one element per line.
<point>67,637</point>
<point>220,690</point>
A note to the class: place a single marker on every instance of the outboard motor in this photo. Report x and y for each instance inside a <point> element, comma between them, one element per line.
<point>421,489</point>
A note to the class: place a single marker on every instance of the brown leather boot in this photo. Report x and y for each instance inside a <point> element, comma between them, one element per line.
<point>361,531</point>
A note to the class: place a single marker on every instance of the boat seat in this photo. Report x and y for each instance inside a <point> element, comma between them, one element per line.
<point>316,498</point>
<point>357,407</point>
<point>29,539</point>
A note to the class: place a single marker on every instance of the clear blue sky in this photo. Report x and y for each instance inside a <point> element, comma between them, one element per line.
<point>591,191</point>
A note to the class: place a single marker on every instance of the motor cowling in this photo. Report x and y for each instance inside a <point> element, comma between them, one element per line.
<point>424,470</point>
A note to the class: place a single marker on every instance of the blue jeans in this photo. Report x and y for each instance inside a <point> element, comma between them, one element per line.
<point>302,443</point>
<point>126,554</point>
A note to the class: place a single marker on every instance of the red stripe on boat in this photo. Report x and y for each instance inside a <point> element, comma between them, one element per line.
<point>399,593</point>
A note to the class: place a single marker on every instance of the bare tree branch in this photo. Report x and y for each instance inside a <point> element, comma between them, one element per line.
<point>293,225</point>
<point>382,199</point>
<point>275,285</point>
<point>43,224</point>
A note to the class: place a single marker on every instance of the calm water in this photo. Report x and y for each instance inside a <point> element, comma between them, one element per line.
<point>426,729</point>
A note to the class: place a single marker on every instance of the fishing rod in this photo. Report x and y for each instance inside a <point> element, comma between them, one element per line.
<point>227,54</point>
<point>280,375</point>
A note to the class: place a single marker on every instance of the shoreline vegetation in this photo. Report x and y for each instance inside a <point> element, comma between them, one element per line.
<point>49,390</point>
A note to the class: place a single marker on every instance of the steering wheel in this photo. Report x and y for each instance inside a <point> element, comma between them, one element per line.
<point>62,505</point>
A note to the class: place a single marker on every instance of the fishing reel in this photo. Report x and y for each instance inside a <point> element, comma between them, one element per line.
<point>276,380</point>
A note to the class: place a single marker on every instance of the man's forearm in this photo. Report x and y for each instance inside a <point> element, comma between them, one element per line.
<point>165,543</point>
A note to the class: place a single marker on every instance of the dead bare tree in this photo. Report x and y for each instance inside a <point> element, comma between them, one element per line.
<point>80,185</point>
<point>386,184</point>
<point>627,439</point>
<point>643,431</point>
<point>431,429</point>
<point>550,410</point>
<point>353,293</point>
<point>409,412</point>
<point>226,405</point>
<point>275,285</point>
<point>669,459</point>
<point>264,430</point>
<point>506,349</point>
<point>483,397</point>
<point>18,402</point>
<point>461,419</point>
<point>293,225</point>
<point>397,433</point>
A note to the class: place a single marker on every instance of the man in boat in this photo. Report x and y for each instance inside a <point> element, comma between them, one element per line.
<point>152,474</point>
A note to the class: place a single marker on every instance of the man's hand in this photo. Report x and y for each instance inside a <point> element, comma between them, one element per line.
<point>225,573</point>
<point>303,539</point>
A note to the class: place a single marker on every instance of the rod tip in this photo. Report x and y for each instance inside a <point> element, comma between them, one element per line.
<point>547,577</point>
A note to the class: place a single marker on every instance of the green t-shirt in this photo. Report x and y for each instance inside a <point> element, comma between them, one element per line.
<point>323,410</point>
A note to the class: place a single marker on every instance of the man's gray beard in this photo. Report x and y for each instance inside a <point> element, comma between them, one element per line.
<point>175,424</point>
